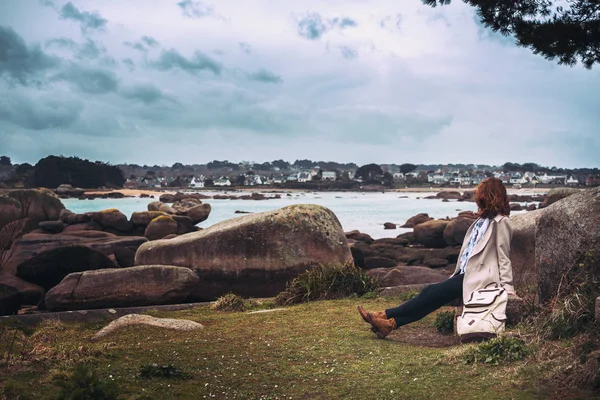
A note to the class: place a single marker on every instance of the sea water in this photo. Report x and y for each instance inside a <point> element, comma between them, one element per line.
<point>366,212</point>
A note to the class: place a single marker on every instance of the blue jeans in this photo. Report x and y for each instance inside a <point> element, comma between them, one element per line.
<point>430,299</point>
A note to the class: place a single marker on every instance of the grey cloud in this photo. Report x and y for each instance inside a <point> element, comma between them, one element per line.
<point>312,26</point>
<point>170,59</point>
<point>245,47</point>
<point>86,20</point>
<point>136,45</point>
<point>89,80</point>
<point>348,52</point>
<point>19,62</point>
<point>146,92</point>
<point>196,9</point>
<point>150,41</point>
<point>129,63</point>
<point>39,115</point>
<point>391,22</point>
<point>62,42</point>
<point>265,76</point>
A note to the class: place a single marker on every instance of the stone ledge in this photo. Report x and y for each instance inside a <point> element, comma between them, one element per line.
<point>94,315</point>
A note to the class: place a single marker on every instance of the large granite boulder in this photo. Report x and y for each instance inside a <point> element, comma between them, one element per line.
<point>449,195</point>
<point>160,227</point>
<point>162,207</point>
<point>566,231</point>
<point>198,213</point>
<point>416,220</point>
<point>126,287</point>
<point>69,217</point>
<point>11,232</point>
<point>33,244</point>
<point>67,191</point>
<point>431,233</point>
<point>143,218</point>
<point>256,254</point>
<point>36,204</point>
<point>49,268</point>
<point>182,206</point>
<point>378,262</point>
<point>455,231</point>
<point>557,194</point>
<point>112,218</point>
<point>359,236</point>
<point>522,251</point>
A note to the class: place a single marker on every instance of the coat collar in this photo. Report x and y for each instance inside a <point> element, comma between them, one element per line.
<point>486,237</point>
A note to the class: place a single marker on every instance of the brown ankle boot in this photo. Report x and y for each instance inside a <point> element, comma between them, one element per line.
<point>375,314</point>
<point>382,327</point>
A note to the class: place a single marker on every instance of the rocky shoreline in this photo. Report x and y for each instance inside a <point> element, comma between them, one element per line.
<point>67,261</point>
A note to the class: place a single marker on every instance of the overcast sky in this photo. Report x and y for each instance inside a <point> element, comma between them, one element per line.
<point>164,81</point>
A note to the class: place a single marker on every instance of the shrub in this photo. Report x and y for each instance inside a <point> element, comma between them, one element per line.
<point>170,371</point>
<point>444,322</point>
<point>327,281</point>
<point>582,370</point>
<point>498,350</point>
<point>83,384</point>
<point>572,310</point>
<point>230,302</point>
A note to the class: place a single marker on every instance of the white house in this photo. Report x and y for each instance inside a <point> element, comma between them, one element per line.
<point>572,181</point>
<point>328,176</point>
<point>304,177</point>
<point>197,183</point>
<point>292,178</point>
<point>222,182</point>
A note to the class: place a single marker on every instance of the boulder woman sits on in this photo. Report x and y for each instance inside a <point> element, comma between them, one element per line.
<point>483,261</point>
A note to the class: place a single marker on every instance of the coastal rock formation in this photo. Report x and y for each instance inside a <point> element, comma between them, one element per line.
<point>69,218</point>
<point>557,194</point>
<point>378,262</point>
<point>361,237</point>
<point>522,250</point>
<point>66,191</point>
<point>181,325</point>
<point>143,218</point>
<point>455,231</point>
<point>30,294</point>
<point>256,254</point>
<point>36,204</point>
<point>49,268</point>
<point>565,232</point>
<point>431,233</point>
<point>404,275</point>
<point>389,225</point>
<point>449,195</point>
<point>198,213</point>
<point>126,287</point>
<point>515,207</point>
<point>172,198</point>
<point>162,207</point>
<point>182,206</point>
<point>112,218</point>
<point>33,244</point>
<point>52,226</point>
<point>416,220</point>
<point>160,227</point>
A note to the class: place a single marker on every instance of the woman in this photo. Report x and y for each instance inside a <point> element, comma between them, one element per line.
<point>483,259</point>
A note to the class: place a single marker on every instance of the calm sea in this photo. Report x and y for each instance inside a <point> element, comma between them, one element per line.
<point>366,212</point>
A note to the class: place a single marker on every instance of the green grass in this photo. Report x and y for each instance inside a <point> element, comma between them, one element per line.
<point>316,350</point>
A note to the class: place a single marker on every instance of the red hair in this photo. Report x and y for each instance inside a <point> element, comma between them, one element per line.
<point>491,198</point>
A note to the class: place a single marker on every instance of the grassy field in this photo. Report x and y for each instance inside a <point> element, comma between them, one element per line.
<point>319,350</point>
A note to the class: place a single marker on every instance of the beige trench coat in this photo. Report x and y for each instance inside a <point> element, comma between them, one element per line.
<point>490,259</point>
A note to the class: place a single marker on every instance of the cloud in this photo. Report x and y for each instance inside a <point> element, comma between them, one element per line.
<point>136,46</point>
<point>245,47</point>
<point>39,113</point>
<point>312,26</point>
<point>172,59</point>
<point>145,92</point>
<point>21,63</point>
<point>87,21</point>
<point>129,63</point>
<point>265,76</point>
<point>88,79</point>
<point>391,22</point>
<point>196,9</point>
<point>348,53</point>
<point>63,42</point>
<point>150,41</point>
